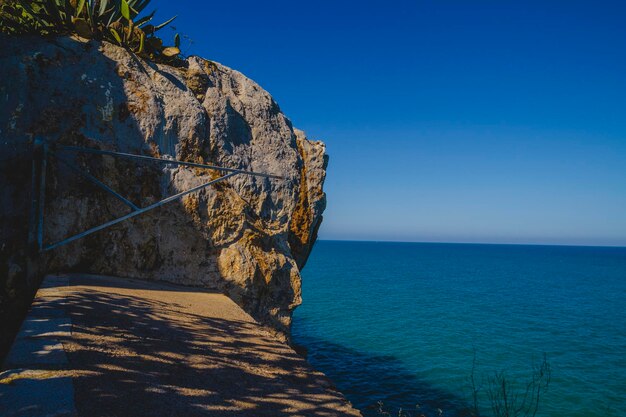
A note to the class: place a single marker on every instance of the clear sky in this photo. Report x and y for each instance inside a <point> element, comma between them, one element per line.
<point>456,121</point>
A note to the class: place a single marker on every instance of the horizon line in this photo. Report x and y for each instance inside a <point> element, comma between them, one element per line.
<point>473,243</point>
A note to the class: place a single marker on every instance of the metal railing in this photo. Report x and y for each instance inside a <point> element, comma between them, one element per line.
<point>44,150</point>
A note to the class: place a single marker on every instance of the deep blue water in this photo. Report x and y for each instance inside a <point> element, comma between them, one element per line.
<point>402,322</point>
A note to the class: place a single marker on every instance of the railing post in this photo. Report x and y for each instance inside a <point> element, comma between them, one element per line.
<point>32,215</point>
<point>42,195</point>
<point>38,181</point>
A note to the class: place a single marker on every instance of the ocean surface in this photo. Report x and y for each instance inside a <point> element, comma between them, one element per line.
<point>405,324</point>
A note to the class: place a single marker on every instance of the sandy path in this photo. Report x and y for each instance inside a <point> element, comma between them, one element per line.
<point>140,348</point>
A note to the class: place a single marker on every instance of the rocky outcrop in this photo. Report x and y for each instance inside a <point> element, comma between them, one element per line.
<point>247,236</point>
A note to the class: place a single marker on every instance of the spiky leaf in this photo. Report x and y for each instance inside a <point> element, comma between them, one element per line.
<point>116,35</point>
<point>162,25</point>
<point>103,7</point>
<point>125,10</point>
<point>142,21</point>
<point>79,9</point>
<point>170,51</point>
<point>142,39</point>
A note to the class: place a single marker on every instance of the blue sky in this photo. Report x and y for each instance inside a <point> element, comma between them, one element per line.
<point>454,121</point>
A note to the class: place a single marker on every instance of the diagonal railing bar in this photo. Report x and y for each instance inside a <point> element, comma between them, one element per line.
<point>136,212</point>
<point>96,181</point>
<point>164,161</point>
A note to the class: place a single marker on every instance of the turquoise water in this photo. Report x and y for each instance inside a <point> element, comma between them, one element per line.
<point>401,322</point>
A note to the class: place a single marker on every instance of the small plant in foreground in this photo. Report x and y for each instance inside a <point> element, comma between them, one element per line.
<point>507,399</point>
<point>117,21</point>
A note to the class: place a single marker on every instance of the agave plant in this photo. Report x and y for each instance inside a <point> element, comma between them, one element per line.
<point>117,21</point>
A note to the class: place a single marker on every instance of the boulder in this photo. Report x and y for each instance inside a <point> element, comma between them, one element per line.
<point>246,236</point>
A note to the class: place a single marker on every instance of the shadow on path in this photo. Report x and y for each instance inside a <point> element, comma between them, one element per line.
<point>164,352</point>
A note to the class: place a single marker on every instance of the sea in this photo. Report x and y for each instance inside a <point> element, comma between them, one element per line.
<point>403,329</point>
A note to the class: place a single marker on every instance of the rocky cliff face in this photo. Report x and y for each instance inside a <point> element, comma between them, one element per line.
<point>247,236</point>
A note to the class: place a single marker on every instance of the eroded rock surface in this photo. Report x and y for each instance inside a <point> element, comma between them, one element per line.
<point>246,236</point>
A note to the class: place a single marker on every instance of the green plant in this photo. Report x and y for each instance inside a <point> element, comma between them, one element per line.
<point>117,21</point>
<point>508,399</point>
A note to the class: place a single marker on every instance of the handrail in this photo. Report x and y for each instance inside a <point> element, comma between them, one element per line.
<point>165,161</point>
<point>48,149</point>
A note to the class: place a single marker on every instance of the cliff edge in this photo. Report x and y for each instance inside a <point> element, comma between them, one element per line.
<point>247,237</point>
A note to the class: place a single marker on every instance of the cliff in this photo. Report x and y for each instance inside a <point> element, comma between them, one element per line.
<point>248,237</point>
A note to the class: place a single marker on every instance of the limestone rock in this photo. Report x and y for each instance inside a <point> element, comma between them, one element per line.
<point>246,236</point>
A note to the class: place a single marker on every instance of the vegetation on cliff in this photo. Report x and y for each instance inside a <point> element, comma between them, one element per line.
<point>117,21</point>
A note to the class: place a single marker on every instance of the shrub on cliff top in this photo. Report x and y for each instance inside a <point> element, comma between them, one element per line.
<point>116,21</point>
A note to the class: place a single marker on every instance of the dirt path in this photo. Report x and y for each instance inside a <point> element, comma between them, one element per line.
<point>148,349</point>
